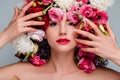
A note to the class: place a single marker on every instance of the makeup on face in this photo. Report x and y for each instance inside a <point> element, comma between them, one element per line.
<point>63,41</point>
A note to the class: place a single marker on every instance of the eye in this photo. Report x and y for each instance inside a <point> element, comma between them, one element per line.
<point>72,24</point>
<point>53,23</point>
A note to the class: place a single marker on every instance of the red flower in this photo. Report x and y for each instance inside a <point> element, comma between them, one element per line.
<point>35,60</point>
<point>44,18</point>
<point>87,55</point>
<point>47,2</point>
<point>36,2</point>
<point>34,9</point>
<point>86,65</point>
<point>86,11</point>
<point>87,28</point>
<point>100,17</point>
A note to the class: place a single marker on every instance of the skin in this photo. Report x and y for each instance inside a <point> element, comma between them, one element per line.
<point>61,65</point>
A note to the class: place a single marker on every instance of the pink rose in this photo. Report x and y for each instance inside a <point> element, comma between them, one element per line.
<point>47,2</point>
<point>35,60</point>
<point>72,17</point>
<point>84,1</point>
<point>55,14</point>
<point>101,17</point>
<point>86,65</point>
<point>86,11</point>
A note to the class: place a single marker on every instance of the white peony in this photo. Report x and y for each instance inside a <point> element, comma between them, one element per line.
<point>101,4</point>
<point>23,44</point>
<point>38,35</point>
<point>64,4</point>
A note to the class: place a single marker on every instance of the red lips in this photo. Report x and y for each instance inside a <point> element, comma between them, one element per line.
<point>63,41</point>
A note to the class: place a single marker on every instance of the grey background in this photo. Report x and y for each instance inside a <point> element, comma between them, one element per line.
<point>6,13</point>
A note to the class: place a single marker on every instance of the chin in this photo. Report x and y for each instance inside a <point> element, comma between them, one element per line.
<point>65,48</point>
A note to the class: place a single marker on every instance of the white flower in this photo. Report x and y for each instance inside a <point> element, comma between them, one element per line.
<point>23,44</point>
<point>101,4</point>
<point>38,35</point>
<point>64,4</point>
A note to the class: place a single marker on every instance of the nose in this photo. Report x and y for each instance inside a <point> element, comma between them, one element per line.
<point>63,29</point>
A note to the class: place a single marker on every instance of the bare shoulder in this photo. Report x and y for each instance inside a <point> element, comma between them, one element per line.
<point>14,66</point>
<point>11,71</point>
<point>107,74</point>
<point>100,73</point>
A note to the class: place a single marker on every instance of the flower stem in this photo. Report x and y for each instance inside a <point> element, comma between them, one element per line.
<point>81,25</point>
<point>44,11</point>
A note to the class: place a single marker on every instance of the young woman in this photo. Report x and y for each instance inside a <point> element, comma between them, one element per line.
<point>62,37</point>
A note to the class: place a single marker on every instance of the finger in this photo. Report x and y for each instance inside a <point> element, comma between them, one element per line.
<point>25,9</point>
<point>29,29</point>
<point>85,42</point>
<point>32,15</point>
<point>110,30</point>
<point>86,34</point>
<point>95,27</point>
<point>16,12</point>
<point>33,23</point>
<point>91,50</point>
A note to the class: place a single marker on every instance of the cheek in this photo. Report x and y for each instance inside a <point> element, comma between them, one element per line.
<point>51,36</point>
<point>72,33</point>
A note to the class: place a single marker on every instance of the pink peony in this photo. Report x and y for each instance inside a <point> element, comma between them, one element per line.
<point>86,65</point>
<point>47,2</point>
<point>35,60</point>
<point>71,16</point>
<point>56,14</point>
<point>83,1</point>
<point>101,17</point>
<point>38,35</point>
<point>86,11</point>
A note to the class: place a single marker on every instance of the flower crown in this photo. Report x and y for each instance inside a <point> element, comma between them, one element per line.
<point>94,10</point>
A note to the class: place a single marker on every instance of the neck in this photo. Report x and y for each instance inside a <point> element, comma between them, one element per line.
<point>60,62</point>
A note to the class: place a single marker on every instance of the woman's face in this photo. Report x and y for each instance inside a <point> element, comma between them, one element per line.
<point>61,35</point>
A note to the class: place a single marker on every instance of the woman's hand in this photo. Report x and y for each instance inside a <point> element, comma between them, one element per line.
<point>20,24</point>
<point>102,45</point>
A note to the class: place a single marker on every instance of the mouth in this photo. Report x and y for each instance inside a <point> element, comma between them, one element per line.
<point>63,41</point>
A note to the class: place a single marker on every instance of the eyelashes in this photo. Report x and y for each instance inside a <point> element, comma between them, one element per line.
<point>72,24</point>
<point>53,24</point>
